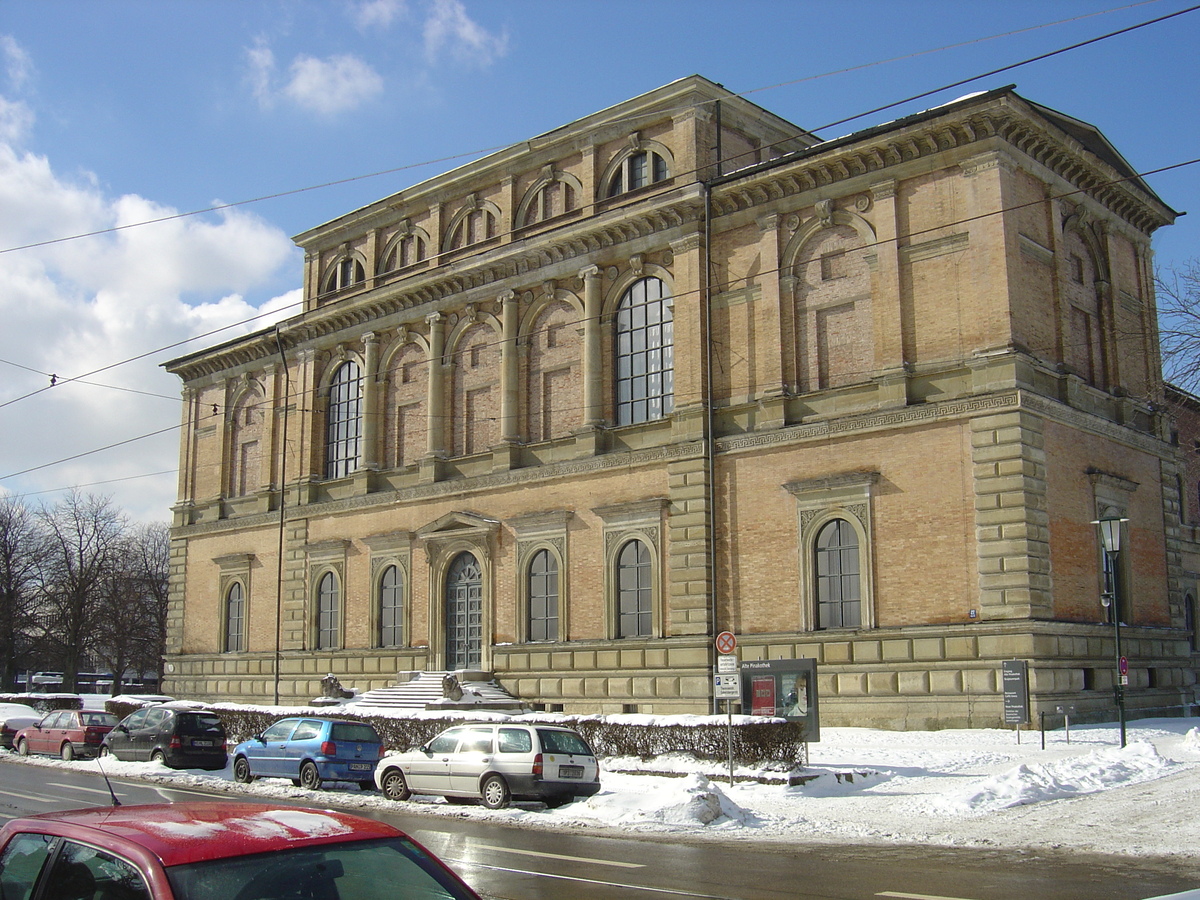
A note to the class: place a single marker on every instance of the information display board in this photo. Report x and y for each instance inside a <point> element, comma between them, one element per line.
<point>786,688</point>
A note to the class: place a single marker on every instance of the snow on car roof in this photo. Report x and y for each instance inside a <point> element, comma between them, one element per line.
<point>180,833</point>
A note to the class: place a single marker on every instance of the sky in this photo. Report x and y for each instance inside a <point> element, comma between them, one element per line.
<point>268,118</point>
<point>985,788</point>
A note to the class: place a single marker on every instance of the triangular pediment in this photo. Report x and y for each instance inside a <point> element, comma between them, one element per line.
<point>453,522</point>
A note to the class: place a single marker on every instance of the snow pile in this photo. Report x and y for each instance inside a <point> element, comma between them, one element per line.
<point>1034,783</point>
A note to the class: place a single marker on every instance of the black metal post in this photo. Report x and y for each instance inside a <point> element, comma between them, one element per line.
<point>1115,600</point>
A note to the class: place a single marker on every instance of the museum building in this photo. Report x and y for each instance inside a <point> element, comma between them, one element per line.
<point>562,415</point>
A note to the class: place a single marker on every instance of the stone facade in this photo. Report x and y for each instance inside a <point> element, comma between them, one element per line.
<point>567,412</point>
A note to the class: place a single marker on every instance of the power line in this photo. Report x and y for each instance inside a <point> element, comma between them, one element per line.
<point>496,148</point>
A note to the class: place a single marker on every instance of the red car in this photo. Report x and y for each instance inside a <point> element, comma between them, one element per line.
<point>217,851</point>
<point>69,733</point>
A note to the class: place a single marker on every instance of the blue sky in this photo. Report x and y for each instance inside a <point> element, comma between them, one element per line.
<point>118,112</point>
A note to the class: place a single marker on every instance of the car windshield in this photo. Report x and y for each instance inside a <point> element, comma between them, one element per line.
<point>563,742</point>
<point>354,870</point>
<point>196,723</point>
<point>99,718</point>
<point>353,732</point>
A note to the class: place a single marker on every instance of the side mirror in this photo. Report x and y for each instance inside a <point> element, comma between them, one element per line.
<point>122,729</point>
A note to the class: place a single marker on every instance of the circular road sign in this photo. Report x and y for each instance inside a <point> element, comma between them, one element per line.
<point>1123,666</point>
<point>726,642</point>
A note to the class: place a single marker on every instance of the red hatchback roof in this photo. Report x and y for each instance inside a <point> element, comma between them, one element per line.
<point>179,833</point>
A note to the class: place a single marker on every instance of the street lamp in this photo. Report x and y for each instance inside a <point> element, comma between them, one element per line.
<point>1110,536</point>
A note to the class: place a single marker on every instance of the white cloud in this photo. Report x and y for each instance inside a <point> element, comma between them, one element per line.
<point>17,65</point>
<point>380,14</point>
<point>261,71</point>
<point>73,307</point>
<point>16,121</point>
<point>448,27</point>
<point>336,84</point>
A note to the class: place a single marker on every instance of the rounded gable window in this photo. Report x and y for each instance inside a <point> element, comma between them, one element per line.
<point>347,273</point>
<point>637,170</point>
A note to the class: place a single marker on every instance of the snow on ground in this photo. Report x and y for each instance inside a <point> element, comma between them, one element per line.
<point>976,787</point>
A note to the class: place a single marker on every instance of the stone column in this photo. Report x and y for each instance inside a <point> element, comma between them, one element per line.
<point>593,379</point>
<point>510,425</point>
<point>435,449</point>
<point>768,386</point>
<point>268,465</point>
<point>369,458</point>
<point>887,308</point>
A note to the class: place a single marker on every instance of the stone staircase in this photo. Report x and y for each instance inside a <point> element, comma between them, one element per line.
<point>423,690</point>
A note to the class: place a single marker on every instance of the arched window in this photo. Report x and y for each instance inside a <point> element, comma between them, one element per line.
<point>838,568</point>
<point>235,618</point>
<point>555,198</point>
<point>407,251</point>
<point>645,350</point>
<point>476,226</point>
<point>344,425</point>
<point>638,170</point>
<point>328,612</point>
<point>246,435</point>
<point>635,591</point>
<point>391,608</point>
<point>543,597</point>
<point>347,273</point>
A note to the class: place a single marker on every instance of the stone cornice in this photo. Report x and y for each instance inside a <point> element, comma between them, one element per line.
<point>1002,121</point>
<point>458,488</point>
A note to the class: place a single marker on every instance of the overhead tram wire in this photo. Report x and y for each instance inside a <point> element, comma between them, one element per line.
<point>219,410</point>
<point>959,83</point>
<point>219,207</point>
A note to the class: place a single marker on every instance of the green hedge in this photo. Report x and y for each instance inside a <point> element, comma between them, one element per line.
<point>755,741</point>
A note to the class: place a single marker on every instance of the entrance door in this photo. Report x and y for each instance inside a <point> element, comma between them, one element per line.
<point>464,614</point>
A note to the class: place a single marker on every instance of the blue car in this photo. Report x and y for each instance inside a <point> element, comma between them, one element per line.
<point>310,751</point>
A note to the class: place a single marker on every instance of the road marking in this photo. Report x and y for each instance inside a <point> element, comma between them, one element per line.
<point>76,787</point>
<point>640,888</point>
<point>585,859</point>
<point>904,896</point>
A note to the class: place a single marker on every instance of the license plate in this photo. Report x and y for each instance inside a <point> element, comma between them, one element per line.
<point>570,771</point>
<point>202,743</point>
<point>360,767</point>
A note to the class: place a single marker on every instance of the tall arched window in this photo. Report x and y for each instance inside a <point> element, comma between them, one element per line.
<point>838,568</point>
<point>328,612</point>
<point>343,433</point>
<point>645,350</point>
<point>391,609</point>
<point>543,597</point>
<point>635,591</point>
<point>235,618</point>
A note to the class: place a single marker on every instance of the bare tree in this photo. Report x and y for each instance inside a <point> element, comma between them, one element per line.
<point>1178,294</point>
<point>83,536</point>
<point>18,584</point>
<point>132,626</point>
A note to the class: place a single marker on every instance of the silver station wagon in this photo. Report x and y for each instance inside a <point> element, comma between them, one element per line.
<point>495,763</point>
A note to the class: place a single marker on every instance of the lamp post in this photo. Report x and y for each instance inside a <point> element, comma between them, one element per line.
<point>1110,536</point>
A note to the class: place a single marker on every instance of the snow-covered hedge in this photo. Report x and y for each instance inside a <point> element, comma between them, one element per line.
<point>756,741</point>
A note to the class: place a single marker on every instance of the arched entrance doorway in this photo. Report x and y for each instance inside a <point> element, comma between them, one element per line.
<point>464,614</point>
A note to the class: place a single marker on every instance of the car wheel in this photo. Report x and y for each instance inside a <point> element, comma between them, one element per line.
<point>556,802</point>
<point>105,753</point>
<point>23,747</point>
<point>495,792</point>
<point>394,785</point>
<point>158,757</point>
<point>67,751</point>
<point>366,785</point>
<point>241,770</point>
<point>310,778</point>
